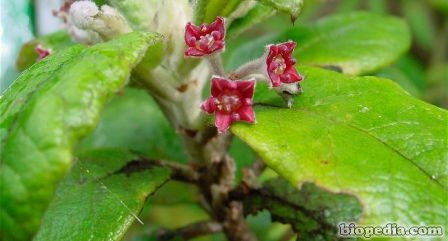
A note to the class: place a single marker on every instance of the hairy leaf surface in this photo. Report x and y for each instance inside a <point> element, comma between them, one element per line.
<point>363,136</point>
<point>101,196</point>
<point>45,112</point>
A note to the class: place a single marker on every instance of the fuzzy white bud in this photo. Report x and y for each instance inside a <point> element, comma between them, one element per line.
<point>82,13</point>
<point>107,22</point>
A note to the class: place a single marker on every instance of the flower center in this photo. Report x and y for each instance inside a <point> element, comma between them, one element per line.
<point>205,42</point>
<point>278,64</point>
<point>228,103</point>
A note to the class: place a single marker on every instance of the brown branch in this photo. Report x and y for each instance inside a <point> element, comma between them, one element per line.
<point>191,231</point>
<point>235,226</point>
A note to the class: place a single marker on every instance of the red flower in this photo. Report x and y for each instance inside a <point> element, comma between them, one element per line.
<point>42,52</point>
<point>280,64</point>
<point>230,101</point>
<point>205,39</point>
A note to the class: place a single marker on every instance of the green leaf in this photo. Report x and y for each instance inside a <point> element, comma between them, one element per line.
<point>45,112</point>
<point>378,6</point>
<point>358,43</point>
<point>291,7</point>
<point>232,6</point>
<point>355,43</point>
<point>440,5</point>
<point>206,11</point>
<point>408,72</point>
<point>100,197</point>
<point>254,16</point>
<point>437,85</point>
<point>213,9</point>
<point>56,41</point>
<point>359,135</point>
<point>143,129</point>
<point>312,212</point>
<point>266,230</point>
<point>419,16</point>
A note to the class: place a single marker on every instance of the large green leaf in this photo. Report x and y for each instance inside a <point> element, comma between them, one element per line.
<point>292,7</point>
<point>143,129</point>
<point>43,115</point>
<point>359,135</point>
<point>100,197</point>
<point>355,43</point>
<point>56,41</point>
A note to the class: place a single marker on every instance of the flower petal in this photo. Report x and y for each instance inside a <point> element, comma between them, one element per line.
<point>217,45</point>
<point>275,79</point>
<point>246,88</point>
<point>209,105</point>
<point>247,114</point>
<point>290,45</point>
<point>218,25</point>
<point>192,30</point>
<point>218,85</point>
<point>293,76</point>
<point>192,51</point>
<point>222,121</point>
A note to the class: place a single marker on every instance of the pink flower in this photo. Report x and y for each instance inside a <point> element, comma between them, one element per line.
<point>230,101</point>
<point>280,64</point>
<point>41,51</point>
<point>205,39</point>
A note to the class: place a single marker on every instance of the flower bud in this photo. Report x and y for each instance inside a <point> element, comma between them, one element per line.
<point>107,21</point>
<point>42,52</point>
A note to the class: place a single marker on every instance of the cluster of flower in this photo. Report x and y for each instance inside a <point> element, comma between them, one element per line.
<point>231,96</point>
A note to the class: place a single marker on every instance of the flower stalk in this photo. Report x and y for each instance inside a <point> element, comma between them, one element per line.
<point>216,64</point>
